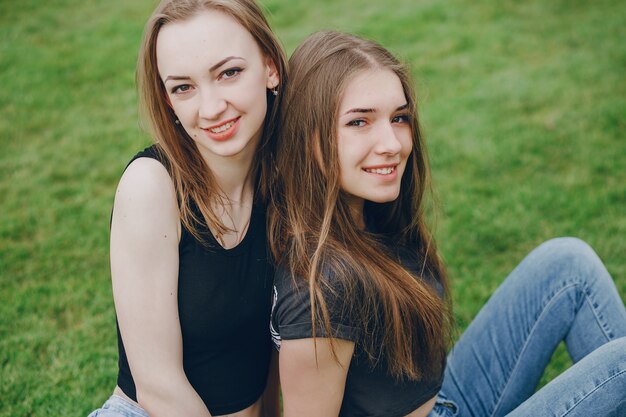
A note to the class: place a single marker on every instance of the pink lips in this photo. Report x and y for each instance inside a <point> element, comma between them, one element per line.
<point>225,134</point>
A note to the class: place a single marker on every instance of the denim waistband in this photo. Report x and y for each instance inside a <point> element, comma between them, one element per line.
<point>118,406</point>
<point>444,408</point>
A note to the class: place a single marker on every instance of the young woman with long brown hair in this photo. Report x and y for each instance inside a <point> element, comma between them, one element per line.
<point>191,273</point>
<point>362,311</point>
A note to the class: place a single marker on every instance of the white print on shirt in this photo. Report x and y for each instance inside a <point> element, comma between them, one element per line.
<point>275,335</point>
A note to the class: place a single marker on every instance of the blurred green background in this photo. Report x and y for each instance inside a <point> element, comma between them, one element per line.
<point>524,109</point>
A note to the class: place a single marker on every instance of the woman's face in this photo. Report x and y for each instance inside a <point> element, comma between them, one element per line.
<point>374,137</point>
<point>216,79</point>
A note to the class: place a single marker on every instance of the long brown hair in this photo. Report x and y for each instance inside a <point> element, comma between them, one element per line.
<point>313,233</point>
<point>192,177</point>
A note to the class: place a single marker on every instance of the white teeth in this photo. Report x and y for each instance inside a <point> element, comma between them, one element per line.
<point>382,171</point>
<point>223,127</point>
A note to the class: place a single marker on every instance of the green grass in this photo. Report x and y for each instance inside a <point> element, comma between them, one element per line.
<point>523,105</point>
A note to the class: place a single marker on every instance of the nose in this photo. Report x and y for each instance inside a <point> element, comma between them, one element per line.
<point>212,104</point>
<point>387,141</point>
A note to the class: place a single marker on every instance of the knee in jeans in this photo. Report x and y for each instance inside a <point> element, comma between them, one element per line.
<point>612,355</point>
<point>571,253</point>
<point>617,348</point>
<point>567,247</point>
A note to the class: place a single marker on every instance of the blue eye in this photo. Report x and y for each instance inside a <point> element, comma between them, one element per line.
<point>356,123</point>
<point>230,73</point>
<point>403,118</point>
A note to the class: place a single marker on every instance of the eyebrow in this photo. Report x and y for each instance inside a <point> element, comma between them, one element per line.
<point>373,110</point>
<point>403,107</point>
<point>213,68</point>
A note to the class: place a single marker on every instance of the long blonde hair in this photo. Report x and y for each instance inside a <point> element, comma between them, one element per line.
<point>312,231</point>
<point>192,177</point>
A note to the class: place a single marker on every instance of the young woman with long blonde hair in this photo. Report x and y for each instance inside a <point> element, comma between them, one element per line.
<point>191,273</point>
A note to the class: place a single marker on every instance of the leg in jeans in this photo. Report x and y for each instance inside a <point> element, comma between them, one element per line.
<point>560,291</point>
<point>594,386</point>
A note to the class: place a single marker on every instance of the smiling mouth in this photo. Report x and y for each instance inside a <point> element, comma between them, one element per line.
<point>224,127</point>
<point>380,171</point>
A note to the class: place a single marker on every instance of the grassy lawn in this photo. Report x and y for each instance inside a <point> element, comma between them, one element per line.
<point>523,104</point>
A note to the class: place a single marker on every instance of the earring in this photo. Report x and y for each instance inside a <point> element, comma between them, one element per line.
<point>177,121</point>
<point>275,91</point>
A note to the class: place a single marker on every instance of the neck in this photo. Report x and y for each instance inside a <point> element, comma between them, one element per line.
<point>233,175</point>
<point>237,187</point>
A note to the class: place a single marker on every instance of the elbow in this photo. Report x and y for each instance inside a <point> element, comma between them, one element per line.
<point>154,396</point>
<point>148,399</point>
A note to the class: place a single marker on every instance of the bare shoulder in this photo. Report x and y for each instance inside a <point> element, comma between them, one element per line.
<point>145,196</point>
<point>146,180</point>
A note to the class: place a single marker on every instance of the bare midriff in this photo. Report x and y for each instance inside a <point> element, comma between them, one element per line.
<point>253,411</point>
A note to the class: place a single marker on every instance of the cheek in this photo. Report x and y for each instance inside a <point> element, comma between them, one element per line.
<point>185,115</point>
<point>252,92</point>
<point>406,139</point>
<point>184,111</point>
<point>351,149</point>
<point>344,156</point>
<point>350,158</point>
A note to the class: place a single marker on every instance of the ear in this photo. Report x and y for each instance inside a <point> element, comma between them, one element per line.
<point>273,79</point>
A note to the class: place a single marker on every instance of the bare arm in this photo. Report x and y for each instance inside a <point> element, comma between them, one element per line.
<point>145,231</point>
<point>310,388</point>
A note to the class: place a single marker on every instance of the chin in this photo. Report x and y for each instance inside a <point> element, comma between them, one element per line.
<point>232,148</point>
<point>380,199</point>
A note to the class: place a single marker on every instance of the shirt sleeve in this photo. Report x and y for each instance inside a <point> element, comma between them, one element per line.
<point>291,313</point>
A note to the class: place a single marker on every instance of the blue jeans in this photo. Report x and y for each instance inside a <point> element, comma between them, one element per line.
<point>560,292</point>
<point>117,406</point>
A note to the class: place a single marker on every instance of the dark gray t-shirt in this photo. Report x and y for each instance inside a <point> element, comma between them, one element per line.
<point>369,391</point>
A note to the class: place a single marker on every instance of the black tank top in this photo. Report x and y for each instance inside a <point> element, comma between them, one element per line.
<point>224,302</point>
